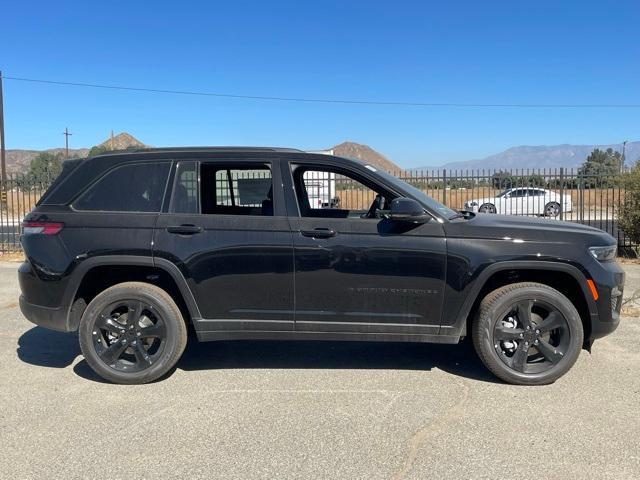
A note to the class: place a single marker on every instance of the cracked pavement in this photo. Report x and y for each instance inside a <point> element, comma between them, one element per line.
<point>313,410</point>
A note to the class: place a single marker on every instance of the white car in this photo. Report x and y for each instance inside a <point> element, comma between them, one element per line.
<point>523,201</point>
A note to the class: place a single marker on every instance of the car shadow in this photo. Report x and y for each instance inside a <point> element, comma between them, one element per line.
<point>48,348</point>
<point>458,359</point>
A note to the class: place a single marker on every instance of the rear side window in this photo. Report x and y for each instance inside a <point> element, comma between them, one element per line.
<point>236,190</point>
<point>130,188</point>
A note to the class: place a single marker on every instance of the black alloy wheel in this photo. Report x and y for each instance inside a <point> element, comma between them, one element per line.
<point>527,333</point>
<point>531,337</point>
<point>132,333</point>
<point>129,335</point>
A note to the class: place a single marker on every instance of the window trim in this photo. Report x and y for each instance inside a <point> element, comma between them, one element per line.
<point>113,169</point>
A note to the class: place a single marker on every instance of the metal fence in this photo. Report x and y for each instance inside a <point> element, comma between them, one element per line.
<point>560,194</point>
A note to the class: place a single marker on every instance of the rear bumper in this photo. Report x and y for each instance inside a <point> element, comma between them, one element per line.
<point>52,318</point>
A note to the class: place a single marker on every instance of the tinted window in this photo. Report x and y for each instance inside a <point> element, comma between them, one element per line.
<point>236,190</point>
<point>130,188</point>
<point>185,196</point>
<point>328,193</point>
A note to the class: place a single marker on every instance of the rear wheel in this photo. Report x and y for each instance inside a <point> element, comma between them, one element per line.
<point>552,209</point>
<point>527,333</point>
<point>487,208</point>
<point>132,333</point>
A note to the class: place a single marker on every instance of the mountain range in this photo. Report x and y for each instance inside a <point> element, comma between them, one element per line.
<point>540,157</point>
<point>522,157</point>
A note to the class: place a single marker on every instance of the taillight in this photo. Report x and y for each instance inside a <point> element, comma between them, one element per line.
<point>43,228</point>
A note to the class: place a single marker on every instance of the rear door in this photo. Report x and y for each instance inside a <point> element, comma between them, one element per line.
<point>225,228</point>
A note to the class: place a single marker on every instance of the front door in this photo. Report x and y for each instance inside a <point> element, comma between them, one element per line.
<point>357,271</point>
<point>226,230</point>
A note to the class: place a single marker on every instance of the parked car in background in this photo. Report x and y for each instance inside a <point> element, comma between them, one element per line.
<point>523,201</point>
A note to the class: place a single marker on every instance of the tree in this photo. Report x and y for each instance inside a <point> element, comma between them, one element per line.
<point>602,162</point>
<point>97,150</point>
<point>629,208</point>
<point>45,166</point>
<point>501,180</point>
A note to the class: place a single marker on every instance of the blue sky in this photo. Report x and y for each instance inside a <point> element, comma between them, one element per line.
<point>475,52</point>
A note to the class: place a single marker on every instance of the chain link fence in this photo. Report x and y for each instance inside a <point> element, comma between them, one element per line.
<point>560,194</point>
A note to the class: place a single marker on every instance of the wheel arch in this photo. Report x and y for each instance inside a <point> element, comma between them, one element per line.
<point>565,278</point>
<point>95,274</point>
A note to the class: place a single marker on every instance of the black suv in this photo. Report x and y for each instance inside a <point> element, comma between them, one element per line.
<point>134,249</point>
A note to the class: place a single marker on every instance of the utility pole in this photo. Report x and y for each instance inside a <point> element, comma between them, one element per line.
<point>3,160</point>
<point>66,134</point>
<point>624,148</point>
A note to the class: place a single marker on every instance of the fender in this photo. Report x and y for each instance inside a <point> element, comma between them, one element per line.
<point>459,327</point>
<point>82,268</point>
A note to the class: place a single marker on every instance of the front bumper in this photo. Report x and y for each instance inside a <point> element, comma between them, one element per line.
<point>609,279</point>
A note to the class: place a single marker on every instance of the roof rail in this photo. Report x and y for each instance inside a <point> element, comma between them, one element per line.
<point>212,148</point>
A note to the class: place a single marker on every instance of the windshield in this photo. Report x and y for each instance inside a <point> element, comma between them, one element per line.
<point>502,194</point>
<point>419,195</point>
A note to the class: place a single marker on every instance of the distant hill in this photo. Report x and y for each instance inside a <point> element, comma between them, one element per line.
<point>18,161</point>
<point>365,154</point>
<point>122,141</point>
<point>534,157</point>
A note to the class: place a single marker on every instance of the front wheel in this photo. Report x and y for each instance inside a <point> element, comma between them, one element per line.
<point>527,333</point>
<point>132,333</point>
<point>487,208</point>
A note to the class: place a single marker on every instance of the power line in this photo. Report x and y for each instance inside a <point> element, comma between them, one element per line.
<point>325,100</point>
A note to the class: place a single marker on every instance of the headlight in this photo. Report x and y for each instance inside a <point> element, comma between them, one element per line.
<point>604,254</point>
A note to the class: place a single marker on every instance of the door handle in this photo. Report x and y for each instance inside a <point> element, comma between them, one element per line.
<point>319,233</point>
<point>184,229</point>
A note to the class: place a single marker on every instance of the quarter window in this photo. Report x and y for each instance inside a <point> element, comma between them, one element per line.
<point>135,187</point>
<point>185,197</point>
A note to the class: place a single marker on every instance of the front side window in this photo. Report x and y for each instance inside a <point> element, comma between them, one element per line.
<point>137,187</point>
<point>328,193</point>
<point>236,190</point>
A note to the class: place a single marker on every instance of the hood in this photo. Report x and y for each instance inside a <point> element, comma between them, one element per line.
<point>534,229</point>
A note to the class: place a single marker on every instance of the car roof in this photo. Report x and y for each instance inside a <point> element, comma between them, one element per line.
<point>85,171</point>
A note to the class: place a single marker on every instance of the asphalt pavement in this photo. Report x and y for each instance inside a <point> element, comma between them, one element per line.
<point>313,410</point>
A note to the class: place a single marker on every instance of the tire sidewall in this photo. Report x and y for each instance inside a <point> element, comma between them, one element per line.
<point>492,315</point>
<point>172,341</point>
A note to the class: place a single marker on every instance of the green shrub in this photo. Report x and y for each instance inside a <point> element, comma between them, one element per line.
<point>629,209</point>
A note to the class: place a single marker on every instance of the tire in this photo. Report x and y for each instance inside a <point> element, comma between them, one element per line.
<point>550,347</point>
<point>487,208</point>
<point>552,209</point>
<point>139,320</point>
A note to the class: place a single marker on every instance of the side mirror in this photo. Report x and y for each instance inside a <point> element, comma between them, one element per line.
<point>408,210</point>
